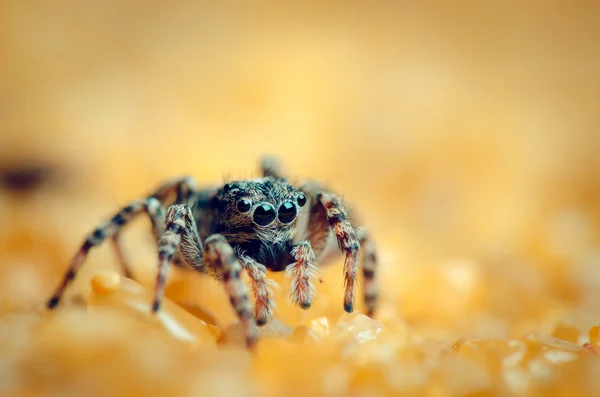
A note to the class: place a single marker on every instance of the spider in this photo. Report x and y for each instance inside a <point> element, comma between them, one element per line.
<point>247,225</point>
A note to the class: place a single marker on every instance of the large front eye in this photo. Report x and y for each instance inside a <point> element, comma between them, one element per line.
<point>244,205</point>
<point>264,214</point>
<point>287,212</point>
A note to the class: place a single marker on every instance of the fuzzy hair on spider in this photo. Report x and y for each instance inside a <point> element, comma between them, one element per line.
<point>253,225</point>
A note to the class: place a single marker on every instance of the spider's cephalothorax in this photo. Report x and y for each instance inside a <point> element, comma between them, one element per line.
<point>257,217</point>
<point>248,225</point>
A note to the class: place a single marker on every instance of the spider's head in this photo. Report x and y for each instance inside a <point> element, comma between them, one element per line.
<point>267,207</point>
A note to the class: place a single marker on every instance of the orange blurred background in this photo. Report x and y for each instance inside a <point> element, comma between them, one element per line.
<point>464,132</point>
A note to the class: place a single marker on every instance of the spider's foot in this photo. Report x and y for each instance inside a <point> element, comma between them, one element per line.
<point>348,307</point>
<point>262,314</point>
<point>305,305</point>
<point>53,302</point>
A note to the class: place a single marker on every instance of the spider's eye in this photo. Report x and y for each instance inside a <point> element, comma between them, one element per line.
<point>244,205</point>
<point>264,214</point>
<point>301,200</point>
<point>227,187</point>
<point>287,212</point>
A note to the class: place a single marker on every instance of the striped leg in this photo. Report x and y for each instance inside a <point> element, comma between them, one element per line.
<point>176,191</point>
<point>301,272</point>
<point>347,241</point>
<point>369,268</point>
<point>181,235</point>
<point>108,230</point>
<point>271,166</point>
<point>217,258</point>
<point>262,288</point>
<point>156,213</point>
<point>221,261</point>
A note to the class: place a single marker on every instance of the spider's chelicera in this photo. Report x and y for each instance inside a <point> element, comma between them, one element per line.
<point>248,225</point>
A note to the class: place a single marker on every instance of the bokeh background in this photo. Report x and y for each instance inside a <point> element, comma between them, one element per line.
<point>464,132</point>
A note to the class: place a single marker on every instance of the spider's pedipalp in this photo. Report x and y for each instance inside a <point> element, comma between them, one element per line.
<point>302,271</point>
<point>347,242</point>
<point>109,229</point>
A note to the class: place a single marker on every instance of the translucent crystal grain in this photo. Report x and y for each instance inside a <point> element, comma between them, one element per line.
<point>199,312</point>
<point>233,335</point>
<point>304,335</point>
<point>550,342</point>
<point>109,290</point>
<point>313,331</point>
<point>321,326</point>
<point>106,282</point>
<point>356,327</point>
<point>567,332</point>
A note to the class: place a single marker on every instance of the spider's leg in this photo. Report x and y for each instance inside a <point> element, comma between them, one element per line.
<point>216,257</point>
<point>318,229</point>
<point>179,190</point>
<point>271,166</point>
<point>180,236</point>
<point>101,233</point>
<point>262,287</point>
<point>176,191</point>
<point>184,189</point>
<point>121,258</point>
<point>222,262</point>
<point>156,213</point>
<point>369,268</point>
<point>301,272</point>
<point>347,241</point>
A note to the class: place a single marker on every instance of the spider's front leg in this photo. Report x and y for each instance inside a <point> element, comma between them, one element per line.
<point>216,257</point>
<point>344,232</point>
<point>262,288</point>
<point>224,265</point>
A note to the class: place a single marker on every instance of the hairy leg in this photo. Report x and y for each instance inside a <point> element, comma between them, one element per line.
<point>222,262</point>
<point>262,288</point>
<point>177,191</point>
<point>369,268</point>
<point>301,272</point>
<point>101,233</point>
<point>180,236</point>
<point>318,229</point>
<point>156,213</point>
<point>347,241</point>
<point>182,188</point>
<point>272,166</point>
<point>216,257</point>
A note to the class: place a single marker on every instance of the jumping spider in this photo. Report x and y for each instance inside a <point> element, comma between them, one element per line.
<point>251,225</point>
